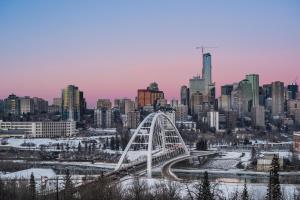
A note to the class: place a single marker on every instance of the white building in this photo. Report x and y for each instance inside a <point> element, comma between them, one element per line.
<point>46,129</point>
<point>213,119</point>
<point>190,125</point>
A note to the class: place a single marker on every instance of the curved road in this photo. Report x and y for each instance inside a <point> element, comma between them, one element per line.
<point>166,168</point>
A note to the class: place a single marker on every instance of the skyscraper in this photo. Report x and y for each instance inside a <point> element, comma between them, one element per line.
<point>254,80</point>
<point>72,99</point>
<point>206,70</point>
<point>277,98</point>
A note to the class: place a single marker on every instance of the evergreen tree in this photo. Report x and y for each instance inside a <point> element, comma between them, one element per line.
<point>274,191</point>
<point>206,189</point>
<point>32,189</point>
<point>117,142</point>
<point>68,190</point>
<point>112,143</point>
<point>79,147</point>
<point>269,190</point>
<point>245,195</point>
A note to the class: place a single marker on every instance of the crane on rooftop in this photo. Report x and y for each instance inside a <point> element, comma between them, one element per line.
<point>203,48</point>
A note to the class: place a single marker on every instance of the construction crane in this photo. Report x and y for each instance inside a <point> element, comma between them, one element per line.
<point>203,48</point>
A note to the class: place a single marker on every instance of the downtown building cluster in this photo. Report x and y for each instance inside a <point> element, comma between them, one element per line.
<point>245,103</point>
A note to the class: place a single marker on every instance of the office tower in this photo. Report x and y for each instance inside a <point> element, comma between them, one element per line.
<point>40,105</point>
<point>133,119</point>
<point>277,98</point>
<point>197,84</point>
<point>226,89</point>
<point>241,98</point>
<point>149,96</point>
<point>12,105</point>
<point>206,70</point>
<point>254,80</point>
<point>102,118</point>
<point>224,102</point>
<point>292,91</point>
<point>267,90</point>
<point>196,103</point>
<point>26,105</point>
<point>184,95</point>
<point>258,116</point>
<point>104,103</point>
<point>72,99</point>
<point>213,119</point>
<point>181,113</point>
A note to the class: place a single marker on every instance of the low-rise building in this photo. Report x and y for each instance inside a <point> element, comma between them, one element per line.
<point>46,129</point>
<point>264,163</point>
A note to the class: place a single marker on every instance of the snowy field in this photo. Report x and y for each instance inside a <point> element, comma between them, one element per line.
<point>256,191</point>
<point>51,143</point>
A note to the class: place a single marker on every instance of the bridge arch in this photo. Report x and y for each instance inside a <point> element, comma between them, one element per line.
<point>155,141</point>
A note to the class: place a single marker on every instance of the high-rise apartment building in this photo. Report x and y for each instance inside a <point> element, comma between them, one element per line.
<point>72,99</point>
<point>254,80</point>
<point>277,98</point>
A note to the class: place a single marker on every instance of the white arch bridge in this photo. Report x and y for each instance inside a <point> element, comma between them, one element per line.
<point>154,142</point>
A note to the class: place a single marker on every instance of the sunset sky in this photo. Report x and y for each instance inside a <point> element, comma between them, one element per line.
<point>110,49</point>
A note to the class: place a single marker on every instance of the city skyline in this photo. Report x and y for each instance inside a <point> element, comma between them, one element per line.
<point>106,57</point>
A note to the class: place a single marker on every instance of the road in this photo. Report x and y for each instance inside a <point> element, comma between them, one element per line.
<point>166,168</point>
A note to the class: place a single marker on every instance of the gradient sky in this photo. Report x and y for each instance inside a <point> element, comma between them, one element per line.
<point>110,49</point>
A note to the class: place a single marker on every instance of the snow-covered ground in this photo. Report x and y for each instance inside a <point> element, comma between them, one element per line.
<point>256,191</point>
<point>25,174</point>
<point>51,143</point>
